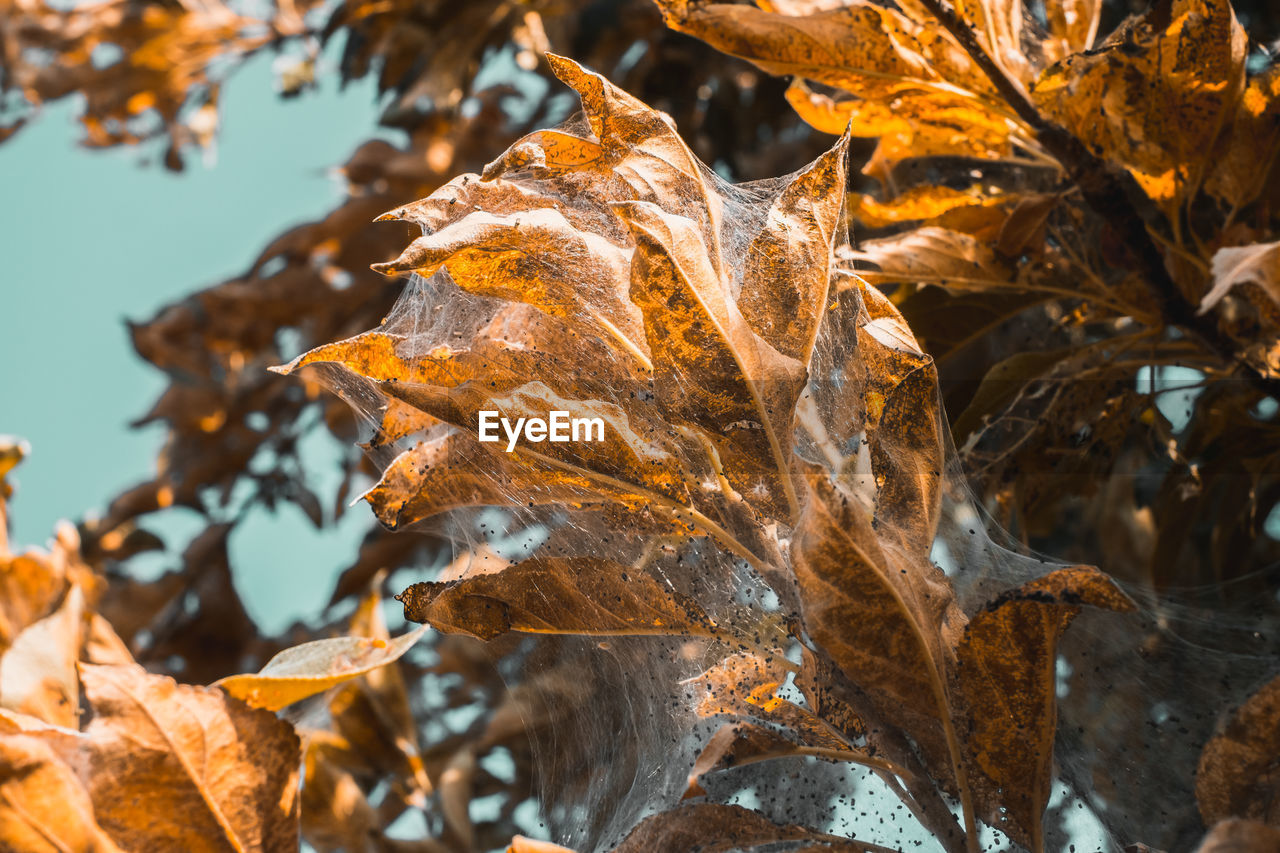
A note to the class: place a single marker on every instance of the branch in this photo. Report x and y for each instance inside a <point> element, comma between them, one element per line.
<point>1109,192</point>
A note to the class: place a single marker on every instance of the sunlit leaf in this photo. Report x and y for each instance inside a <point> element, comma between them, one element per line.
<point>311,668</point>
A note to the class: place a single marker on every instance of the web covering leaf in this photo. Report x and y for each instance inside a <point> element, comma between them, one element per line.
<point>774,461</point>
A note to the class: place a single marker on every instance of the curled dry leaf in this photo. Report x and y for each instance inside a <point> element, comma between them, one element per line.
<point>175,764</point>
<point>572,595</point>
<point>311,668</point>
<point>1006,686</point>
<point>1237,776</point>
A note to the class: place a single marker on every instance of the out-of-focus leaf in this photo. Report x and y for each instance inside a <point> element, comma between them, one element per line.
<point>1236,776</point>
<point>43,806</point>
<point>520,844</point>
<point>1232,267</point>
<point>175,764</point>
<point>572,595</point>
<point>917,203</point>
<point>932,255</point>
<point>311,668</point>
<point>1237,835</point>
<point>1250,145</point>
<point>38,672</point>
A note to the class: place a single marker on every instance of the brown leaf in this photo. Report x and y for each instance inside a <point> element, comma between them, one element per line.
<point>713,828</point>
<point>710,368</point>
<point>176,764</point>
<point>1006,687</point>
<point>1237,775</point>
<point>884,617</point>
<point>1235,835</point>
<point>1247,152</point>
<point>571,595</point>
<point>874,52</point>
<point>43,806</point>
<point>336,815</point>
<point>788,265</point>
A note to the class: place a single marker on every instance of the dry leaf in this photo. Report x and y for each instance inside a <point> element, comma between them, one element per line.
<point>1154,102</point>
<point>44,808</point>
<point>175,764</point>
<point>1236,835</point>
<point>38,672</point>
<point>1007,687</point>
<point>574,595</point>
<point>1257,264</point>
<point>1236,776</point>
<point>311,668</point>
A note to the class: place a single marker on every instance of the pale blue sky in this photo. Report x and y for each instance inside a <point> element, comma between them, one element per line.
<point>90,238</point>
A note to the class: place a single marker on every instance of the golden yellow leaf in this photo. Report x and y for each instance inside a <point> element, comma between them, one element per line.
<point>1154,102</point>
<point>171,764</point>
<point>917,203</point>
<point>43,806</point>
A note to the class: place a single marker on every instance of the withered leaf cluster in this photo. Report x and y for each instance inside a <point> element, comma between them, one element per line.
<point>775,541</point>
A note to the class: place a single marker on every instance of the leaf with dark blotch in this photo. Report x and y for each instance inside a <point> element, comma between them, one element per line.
<point>1237,773</point>
<point>1155,100</point>
<point>644,153</point>
<point>884,617</point>
<point>171,764</point>
<point>43,806</point>
<point>710,368</point>
<point>572,595</point>
<point>535,256</point>
<point>1007,692</point>
<point>455,470</point>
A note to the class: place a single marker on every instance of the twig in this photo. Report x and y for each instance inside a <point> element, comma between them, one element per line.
<point>1109,192</point>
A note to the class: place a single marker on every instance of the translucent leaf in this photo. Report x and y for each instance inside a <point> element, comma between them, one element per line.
<point>311,668</point>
